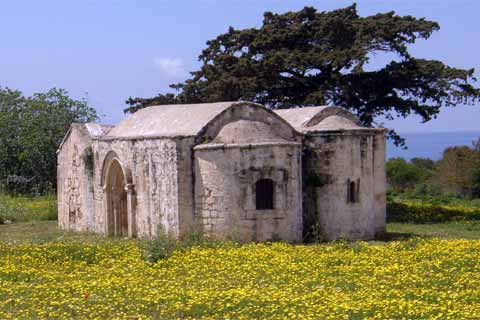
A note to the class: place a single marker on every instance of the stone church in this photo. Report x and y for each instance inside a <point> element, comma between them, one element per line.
<point>236,170</point>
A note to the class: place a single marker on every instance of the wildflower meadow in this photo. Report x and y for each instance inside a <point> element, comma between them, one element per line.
<point>111,279</point>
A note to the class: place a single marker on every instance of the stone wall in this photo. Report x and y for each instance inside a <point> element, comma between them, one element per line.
<point>380,183</point>
<point>75,181</point>
<point>333,162</point>
<point>225,177</point>
<point>185,181</point>
<point>154,176</point>
<point>209,179</point>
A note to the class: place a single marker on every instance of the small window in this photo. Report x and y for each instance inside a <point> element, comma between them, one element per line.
<point>264,194</point>
<point>352,191</point>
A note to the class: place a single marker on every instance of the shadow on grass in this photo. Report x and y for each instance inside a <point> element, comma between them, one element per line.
<point>397,236</point>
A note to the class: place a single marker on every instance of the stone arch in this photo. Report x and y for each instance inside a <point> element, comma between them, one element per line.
<point>118,197</point>
<point>332,111</point>
<point>112,155</point>
<point>247,111</point>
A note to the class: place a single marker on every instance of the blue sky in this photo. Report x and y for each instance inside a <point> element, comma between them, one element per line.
<point>109,50</point>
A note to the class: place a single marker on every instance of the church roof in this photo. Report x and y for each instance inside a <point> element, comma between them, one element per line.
<point>299,117</point>
<point>247,132</point>
<point>188,120</point>
<point>322,118</point>
<point>169,120</point>
<point>90,129</point>
<point>97,130</point>
<point>335,123</point>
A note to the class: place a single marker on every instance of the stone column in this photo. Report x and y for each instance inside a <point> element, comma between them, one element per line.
<point>106,198</point>
<point>131,209</point>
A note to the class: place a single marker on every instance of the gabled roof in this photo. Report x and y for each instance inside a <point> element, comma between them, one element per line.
<point>321,118</point>
<point>92,130</point>
<point>96,130</point>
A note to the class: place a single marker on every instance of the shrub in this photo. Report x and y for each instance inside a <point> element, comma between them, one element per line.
<point>414,212</point>
<point>402,175</point>
<point>163,246</point>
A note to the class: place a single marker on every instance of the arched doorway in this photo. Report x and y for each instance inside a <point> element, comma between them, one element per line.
<point>117,205</point>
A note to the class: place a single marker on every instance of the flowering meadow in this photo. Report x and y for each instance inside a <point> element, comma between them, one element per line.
<point>110,279</point>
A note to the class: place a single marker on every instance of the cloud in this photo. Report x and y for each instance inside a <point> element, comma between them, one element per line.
<point>171,67</point>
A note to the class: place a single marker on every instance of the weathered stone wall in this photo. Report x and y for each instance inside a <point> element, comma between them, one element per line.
<point>225,177</point>
<point>75,182</point>
<point>185,182</point>
<point>332,160</point>
<point>154,176</point>
<point>208,175</point>
<point>380,183</point>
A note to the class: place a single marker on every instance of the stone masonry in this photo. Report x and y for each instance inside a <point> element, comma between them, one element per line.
<point>235,170</point>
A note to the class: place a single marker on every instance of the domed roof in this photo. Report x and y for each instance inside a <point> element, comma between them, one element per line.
<point>334,123</point>
<point>247,131</point>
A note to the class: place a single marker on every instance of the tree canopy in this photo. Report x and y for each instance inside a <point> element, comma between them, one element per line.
<point>31,129</point>
<point>309,58</point>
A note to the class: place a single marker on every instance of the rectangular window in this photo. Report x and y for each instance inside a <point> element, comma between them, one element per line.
<point>264,189</point>
<point>353,190</point>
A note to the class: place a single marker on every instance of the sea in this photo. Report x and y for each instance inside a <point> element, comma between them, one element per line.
<point>430,145</point>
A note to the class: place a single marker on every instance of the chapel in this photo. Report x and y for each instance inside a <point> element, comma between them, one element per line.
<point>235,170</point>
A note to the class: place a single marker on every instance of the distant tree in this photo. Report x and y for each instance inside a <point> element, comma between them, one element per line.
<point>31,129</point>
<point>425,167</point>
<point>402,176</point>
<point>11,102</point>
<point>424,163</point>
<point>308,58</point>
<point>458,171</point>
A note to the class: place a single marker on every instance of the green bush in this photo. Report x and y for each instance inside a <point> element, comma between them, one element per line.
<point>415,212</point>
<point>164,245</point>
<point>159,248</point>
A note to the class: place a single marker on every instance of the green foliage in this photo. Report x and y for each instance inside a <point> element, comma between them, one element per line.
<point>402,175</point>
<point>159,248</point>
<point>459,171</point>
<point>423,163</point>
<point>430,193</point>
<point>31,129</point>
<point>163,246</point>
<point>23,209</point>
<point>307,58</point>
<point>476,182</point>
<point>455,175</point>
<point>421,212</point>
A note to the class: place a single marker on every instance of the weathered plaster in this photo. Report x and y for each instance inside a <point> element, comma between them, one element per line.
<point>225,191</point>
<point>332,160</point>
<point>195,166</point>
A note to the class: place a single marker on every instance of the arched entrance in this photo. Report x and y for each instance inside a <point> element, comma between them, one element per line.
<point>117,205</point>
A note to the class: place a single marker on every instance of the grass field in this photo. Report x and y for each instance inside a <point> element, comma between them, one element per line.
<point>420,272</point>
<point>22,209</point>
